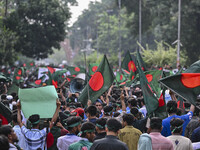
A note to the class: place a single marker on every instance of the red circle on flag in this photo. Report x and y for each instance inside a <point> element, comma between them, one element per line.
<point>74,75</point>
<point>17,77</point>
<point>190,80</point>
<point>132,77</point>
<point>143,68</point>
<point>77,69</point>
<point>131,66</point>
<point>19,72</point>
<point>94,68</point>
<point>121,77</point>
<point>31,64</point>
<point>96,82</point>
<point>149,77</point>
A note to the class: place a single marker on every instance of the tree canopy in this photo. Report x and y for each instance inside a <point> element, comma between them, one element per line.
<point>40,26</point>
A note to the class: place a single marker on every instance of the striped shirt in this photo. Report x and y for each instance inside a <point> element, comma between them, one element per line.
<point>160,142</point>
<point>34,138</point>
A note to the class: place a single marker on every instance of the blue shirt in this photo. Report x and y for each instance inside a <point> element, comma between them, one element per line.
<point>34,138</point>
<point>166,131</point>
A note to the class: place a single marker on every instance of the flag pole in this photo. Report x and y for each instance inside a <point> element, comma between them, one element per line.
<point>84,52</point>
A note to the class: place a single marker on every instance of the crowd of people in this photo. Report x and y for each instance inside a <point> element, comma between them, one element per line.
<point>117,120</point>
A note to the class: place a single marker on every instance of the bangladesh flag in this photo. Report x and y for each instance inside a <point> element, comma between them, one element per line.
<point>75,70</point>
<point>18,75</point>
<point>185,85</point>
<point>93,68</point>
<point>150,99</point>
<point>140,61</point>
<point>58,75</point>
<point>5,114</point>
<point>99,82</point>
<point>153,77</point>
<point>120,77</point>
<point>128,63</point>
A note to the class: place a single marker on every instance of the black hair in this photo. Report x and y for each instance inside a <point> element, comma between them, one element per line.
<point>3,97</point>
<point>92,110</point>
<point>108,110</point>
<point>4,144</point>
<point>78,104</point>
<point>128,118</point>
<point>196,112</point>
<point>101,122</point>
<point>5,130</point>
<point>134,111</point>
<point>33,119</point>
<point>132,102</point>
<point>171,107</point>
<point>176,125</point>
<point>63,116</point>
<point>156,123</point>
<point>14,117</point>
<point>87,126</point>
<point>72,120</point>
<point>113,125</point>
<point>179,111</point>
<point>116,114</point>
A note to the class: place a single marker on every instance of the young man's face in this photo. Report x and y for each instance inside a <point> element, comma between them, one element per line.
<point>99,106</point>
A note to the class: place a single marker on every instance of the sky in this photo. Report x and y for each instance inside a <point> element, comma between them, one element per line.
<point>77,10</point>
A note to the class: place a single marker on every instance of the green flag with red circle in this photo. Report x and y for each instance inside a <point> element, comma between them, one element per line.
<point>18,75</point>
<point>185,85</point>
<point>128,63</point>
<point>98,83</point>
<point>75,70</point>
<point>151,101</point>
<point>93,68</point>
<point>120,77</point>
<point>153,76</point>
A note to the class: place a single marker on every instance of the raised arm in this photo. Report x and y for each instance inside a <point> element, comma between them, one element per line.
<point>122,101</point>
<point>19,119</point>
<point>55,116</point>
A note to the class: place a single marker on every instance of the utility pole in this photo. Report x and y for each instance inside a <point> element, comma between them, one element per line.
<point>119,54</point>
<point>140,24</point>
<point>179,36</point>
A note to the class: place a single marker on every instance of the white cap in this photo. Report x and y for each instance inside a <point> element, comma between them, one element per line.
<point>9,97</point>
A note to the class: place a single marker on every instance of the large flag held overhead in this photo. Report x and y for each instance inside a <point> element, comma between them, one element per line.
<point>99,82</point>
<point>150,99</point>
<point>128,63</point>
<point>185,85</point>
